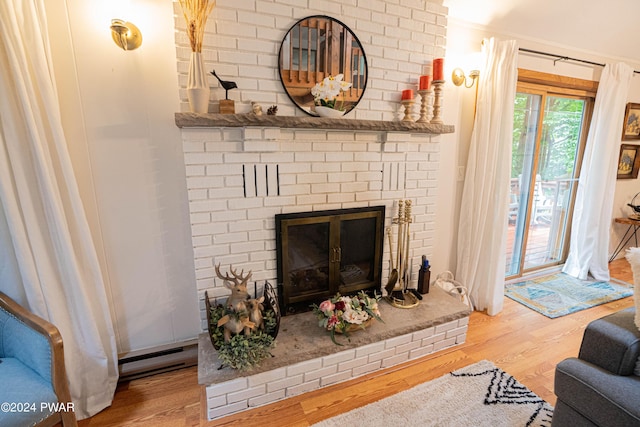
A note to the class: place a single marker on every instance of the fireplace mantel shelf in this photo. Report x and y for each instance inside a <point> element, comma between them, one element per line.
<point>189,120</point>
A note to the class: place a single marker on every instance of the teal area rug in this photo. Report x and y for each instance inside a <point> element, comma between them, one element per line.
<point>560,294</point>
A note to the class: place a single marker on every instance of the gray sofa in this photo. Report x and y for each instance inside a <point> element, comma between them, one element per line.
<point>601,387</point>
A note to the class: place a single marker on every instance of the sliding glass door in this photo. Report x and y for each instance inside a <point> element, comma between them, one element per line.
<point>548,135</point>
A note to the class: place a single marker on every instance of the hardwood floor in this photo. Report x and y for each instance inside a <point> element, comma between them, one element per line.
<point>522,342</point>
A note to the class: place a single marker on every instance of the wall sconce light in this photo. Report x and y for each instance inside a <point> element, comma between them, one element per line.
<point>458,77</point>
<point>125,34</point>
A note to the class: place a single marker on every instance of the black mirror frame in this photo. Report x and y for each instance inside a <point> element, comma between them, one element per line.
<point>355,38</point>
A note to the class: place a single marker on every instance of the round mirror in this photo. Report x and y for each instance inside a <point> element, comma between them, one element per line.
<point>318,48</point>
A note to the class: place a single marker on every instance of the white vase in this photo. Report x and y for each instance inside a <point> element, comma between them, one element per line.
<point>328,112</point>
<point>197,85</point>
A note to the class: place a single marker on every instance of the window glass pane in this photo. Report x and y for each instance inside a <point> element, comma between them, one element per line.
<point>525,128</point>
<point>559,144</point>
<point>543,176</point>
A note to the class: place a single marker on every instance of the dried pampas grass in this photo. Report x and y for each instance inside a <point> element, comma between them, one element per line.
<point>195,14</point>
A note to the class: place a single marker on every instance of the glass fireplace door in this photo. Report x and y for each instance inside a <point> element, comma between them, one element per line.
<point>357,253</point>
<point>308,242</point>
<point>322,253</point>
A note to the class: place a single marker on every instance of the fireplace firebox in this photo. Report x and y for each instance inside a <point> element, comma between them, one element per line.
<point>322,253</point>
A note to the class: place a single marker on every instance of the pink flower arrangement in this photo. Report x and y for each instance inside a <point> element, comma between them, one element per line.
<point>326,306</point>
<point>340,312</point>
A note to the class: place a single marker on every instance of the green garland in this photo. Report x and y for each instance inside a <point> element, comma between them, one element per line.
<point>242,351</point>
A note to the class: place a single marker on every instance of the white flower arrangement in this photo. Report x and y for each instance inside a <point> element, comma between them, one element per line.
<point>328,90</point>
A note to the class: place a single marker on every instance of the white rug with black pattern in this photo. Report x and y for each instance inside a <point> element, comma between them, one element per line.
<point>477,395</point>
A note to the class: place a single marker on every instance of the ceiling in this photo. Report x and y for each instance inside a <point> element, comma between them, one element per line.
<point>584,25</point>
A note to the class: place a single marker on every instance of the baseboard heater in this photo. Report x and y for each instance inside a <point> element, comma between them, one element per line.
<point>151,361</point>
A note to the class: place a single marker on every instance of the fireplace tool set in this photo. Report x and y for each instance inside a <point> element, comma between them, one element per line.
<point>397,287</point>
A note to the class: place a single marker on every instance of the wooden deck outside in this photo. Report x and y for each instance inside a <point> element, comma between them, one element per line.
<point>550,208</point>
<point>539,252</point>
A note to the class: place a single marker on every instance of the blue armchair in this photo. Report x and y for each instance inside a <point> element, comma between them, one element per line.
<point>34,391</point>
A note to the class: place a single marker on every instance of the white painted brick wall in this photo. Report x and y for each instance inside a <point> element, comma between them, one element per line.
<point>242,40</point>
<point>233,206</point>
<point>245,392</point>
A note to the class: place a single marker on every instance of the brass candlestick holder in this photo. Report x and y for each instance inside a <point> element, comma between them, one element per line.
<point>408,104</point>
<point>437,101</point>
<point>426,109</point>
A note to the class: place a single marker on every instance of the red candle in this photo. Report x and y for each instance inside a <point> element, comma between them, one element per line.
<point>424,82</point>
<point>438,69</point>
<point>407,94</point>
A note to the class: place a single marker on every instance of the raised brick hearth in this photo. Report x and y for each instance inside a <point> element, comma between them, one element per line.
<point>305,359</point>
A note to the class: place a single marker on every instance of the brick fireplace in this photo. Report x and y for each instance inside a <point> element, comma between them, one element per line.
<point>240,178</point>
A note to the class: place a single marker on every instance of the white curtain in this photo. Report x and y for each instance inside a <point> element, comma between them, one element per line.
<point>589,244</point>
<point>49,263</point>
<point>482,230</point>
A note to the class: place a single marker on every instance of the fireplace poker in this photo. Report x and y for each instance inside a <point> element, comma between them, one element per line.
<point>400,256</point>
<point>393,274</point>
<point>407,221</point>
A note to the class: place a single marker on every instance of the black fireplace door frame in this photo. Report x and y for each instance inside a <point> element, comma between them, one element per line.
<point>326,228</point>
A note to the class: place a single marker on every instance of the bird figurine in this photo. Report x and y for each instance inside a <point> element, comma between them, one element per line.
<point>225,84</point>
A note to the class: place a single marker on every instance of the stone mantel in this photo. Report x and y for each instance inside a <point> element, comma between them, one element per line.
<point>190,120</point>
